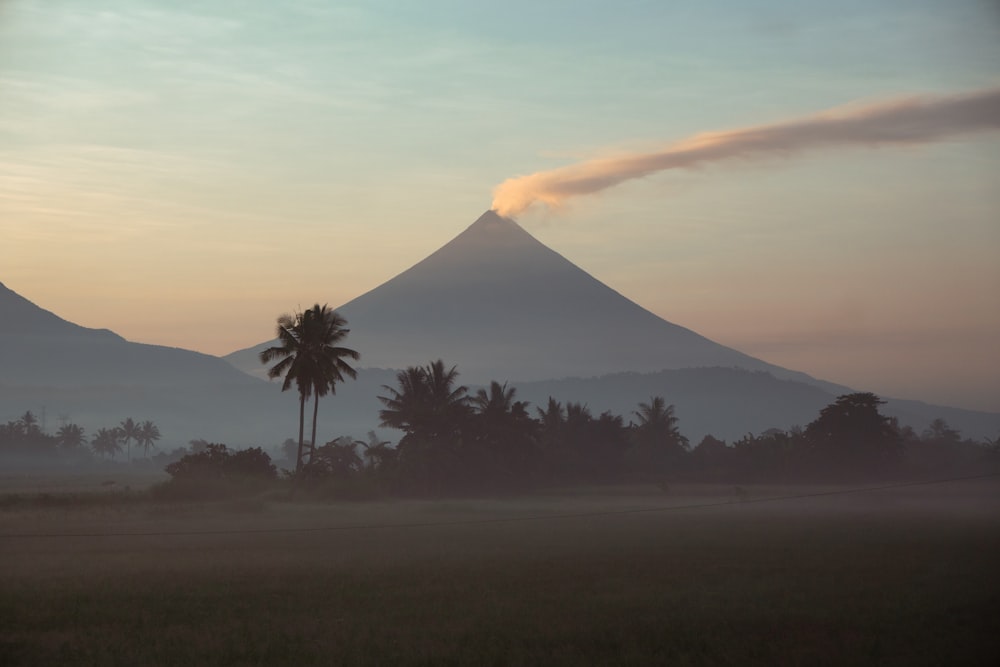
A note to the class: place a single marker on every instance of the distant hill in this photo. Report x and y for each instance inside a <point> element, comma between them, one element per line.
<point>96,378</point>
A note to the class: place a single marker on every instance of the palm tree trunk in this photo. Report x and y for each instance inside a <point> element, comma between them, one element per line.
<point>312,443</point>
<point>302,424</point>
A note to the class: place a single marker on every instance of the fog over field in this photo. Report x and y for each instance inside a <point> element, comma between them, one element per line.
<point>582,576</point>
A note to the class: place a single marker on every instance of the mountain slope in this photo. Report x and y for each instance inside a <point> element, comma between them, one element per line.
<point>97,378</point>
<point>22,317</point>
<point>501,305</point>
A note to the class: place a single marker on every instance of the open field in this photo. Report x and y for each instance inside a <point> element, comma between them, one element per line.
<point>905,576</point>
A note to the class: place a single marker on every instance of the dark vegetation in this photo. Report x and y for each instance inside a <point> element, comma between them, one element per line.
<point>454,442</point>
<point>24,437</point>
<point>489,443</point>
<point>215,471</point>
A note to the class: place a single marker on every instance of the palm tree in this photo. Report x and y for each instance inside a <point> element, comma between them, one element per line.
<point>505,433</point>
<point>432,411</point>
<point>427,402</point>
<point>404,407</point>
<point>70,436</point>
<point>657,427</point>
<point>309,356</point>
<point>129,432</point>
<point>501,416</point>
<point>107,441</point>
<point>499,400</point>
<point>376,451</point>
<point>30,423</point>
<point>148,434</point>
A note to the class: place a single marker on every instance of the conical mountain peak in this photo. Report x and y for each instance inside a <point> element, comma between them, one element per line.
<point>492,232</point>
<point>502,305</point>
<point>493,219</point>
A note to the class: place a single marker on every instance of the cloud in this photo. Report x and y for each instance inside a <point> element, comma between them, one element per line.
<point>901,121</point>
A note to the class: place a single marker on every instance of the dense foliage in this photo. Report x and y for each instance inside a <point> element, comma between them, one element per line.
<point>454,441</point>
<point>214,471</point>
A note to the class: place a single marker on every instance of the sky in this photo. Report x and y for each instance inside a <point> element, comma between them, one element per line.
<point>183,172</point>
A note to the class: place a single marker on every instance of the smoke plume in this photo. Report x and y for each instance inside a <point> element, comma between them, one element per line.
<point>909,120</point>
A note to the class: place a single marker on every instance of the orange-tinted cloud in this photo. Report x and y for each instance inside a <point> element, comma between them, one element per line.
<point>909,120</point>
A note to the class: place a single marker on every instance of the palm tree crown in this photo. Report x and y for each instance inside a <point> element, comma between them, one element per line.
<point>129,432</point>
<point>147,436</point>
<point>657,425</point>
<point>427,401</point>
<point>70,436</point>
<point>107,441</point>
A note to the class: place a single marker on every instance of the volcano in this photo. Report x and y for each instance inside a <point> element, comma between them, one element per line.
<point>501,305</point>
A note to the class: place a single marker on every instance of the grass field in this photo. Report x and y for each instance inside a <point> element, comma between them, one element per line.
<point>907,576</point>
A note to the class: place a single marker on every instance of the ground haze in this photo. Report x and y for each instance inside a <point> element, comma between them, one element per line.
<point>630,575</point>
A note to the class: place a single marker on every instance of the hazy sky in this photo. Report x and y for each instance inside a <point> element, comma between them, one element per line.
<point>182,172</point>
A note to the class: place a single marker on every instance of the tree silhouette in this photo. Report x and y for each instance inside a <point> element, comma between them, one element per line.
<point>70,436</point>
<point>431,411</point>
<point>940,431</point>
<point>851,433</point>
<point>129,432</point>
<point>427,402</point>
<point>505,435</point>
<point>496,403</point>
<point>147,436</point>
<point>337,458</point>
<point>309,357</point>
<point>376,451</point>
<point>551,416</point>
<point>656,436</point>
<point>30,424</point>
<point>107,442</point>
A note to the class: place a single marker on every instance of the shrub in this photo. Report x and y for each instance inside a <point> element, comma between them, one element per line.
<point>218,472</point>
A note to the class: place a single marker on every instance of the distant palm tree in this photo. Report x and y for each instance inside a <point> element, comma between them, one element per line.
<point>405,407</point>
<point>107,442</point>
<point>129,432</point>
<point>30,423</point>
<point>499,400</point>
<point>501,415</point>
<point>551,416</point>
<point>70,436</point>
<point>148,434</point>
<point>505,435</point>
<point>309,356</point>
<point>657,427</point>
<point>376,451</point>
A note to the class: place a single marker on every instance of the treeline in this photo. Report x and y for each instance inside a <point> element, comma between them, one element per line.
<point>454,442</point>
<point>25,437</point>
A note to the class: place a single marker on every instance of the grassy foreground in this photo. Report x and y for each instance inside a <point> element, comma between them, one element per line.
<point>900,577</point>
